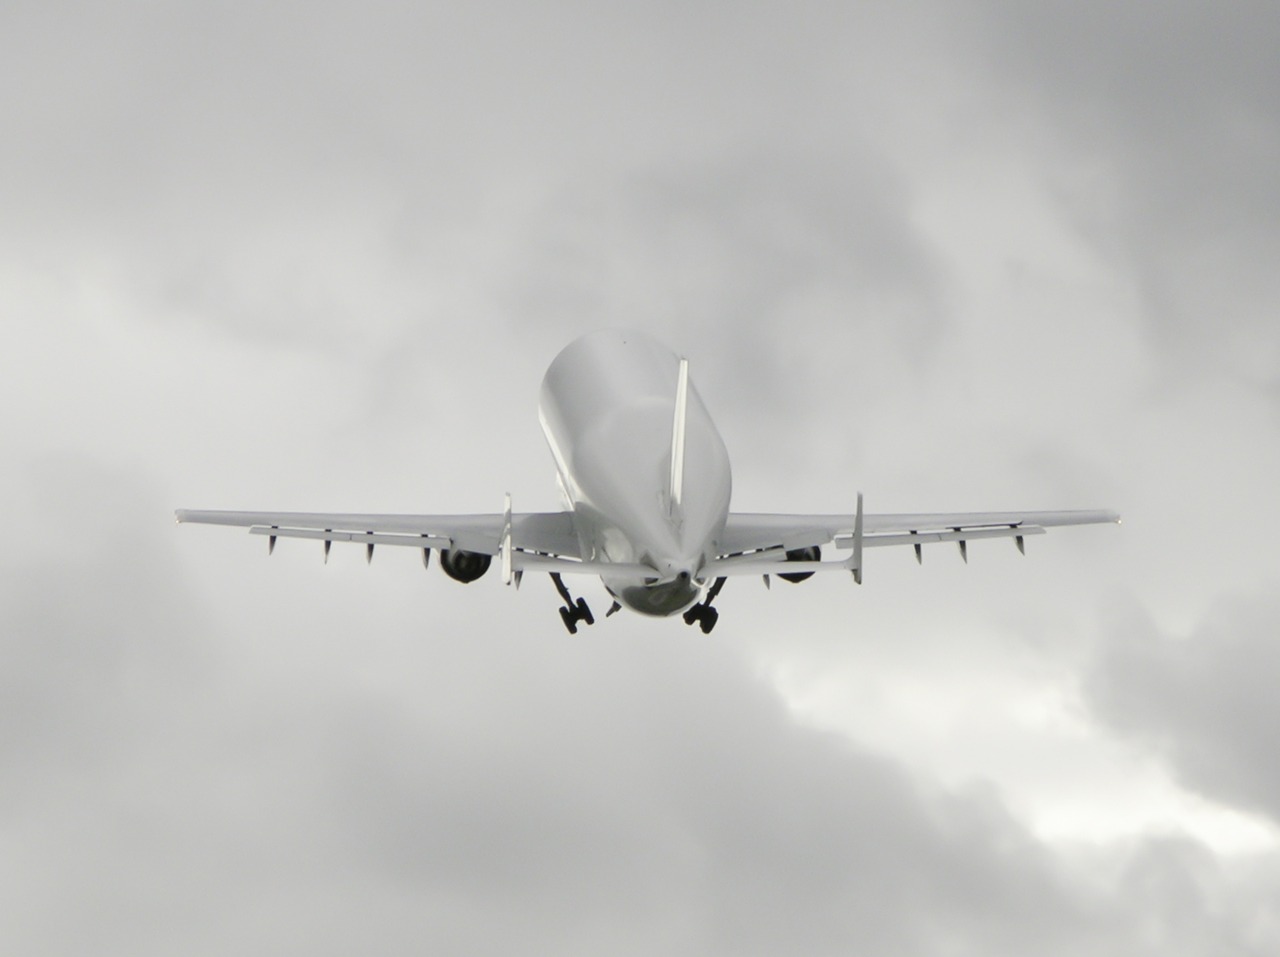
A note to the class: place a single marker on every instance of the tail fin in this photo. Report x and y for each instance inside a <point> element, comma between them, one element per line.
<point>676,490</point>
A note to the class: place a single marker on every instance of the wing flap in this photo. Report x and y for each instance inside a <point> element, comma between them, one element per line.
<point>368,538</point>
<point>963,535</point>
<point>769,561</point>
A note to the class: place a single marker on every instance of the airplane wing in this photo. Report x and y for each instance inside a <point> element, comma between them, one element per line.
<point>544,533</point>
<point>757,543</point>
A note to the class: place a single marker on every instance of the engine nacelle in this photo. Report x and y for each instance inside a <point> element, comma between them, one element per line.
<point>811,553</point>
<point>462,565</point>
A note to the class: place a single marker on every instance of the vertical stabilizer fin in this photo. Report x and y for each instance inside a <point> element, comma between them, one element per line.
<point>677,438</point>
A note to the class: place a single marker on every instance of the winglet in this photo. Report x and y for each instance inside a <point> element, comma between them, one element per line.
<point>855,560</point>
<point>508,575</point>
<point>678,437</point>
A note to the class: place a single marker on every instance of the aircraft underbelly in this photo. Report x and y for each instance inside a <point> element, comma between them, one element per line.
<point>668,598</point>
<point>607,408</point>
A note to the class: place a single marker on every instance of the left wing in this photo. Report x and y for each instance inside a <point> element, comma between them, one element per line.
<point>756,544</point>
<point>525,541</point>
<point>546,533</point>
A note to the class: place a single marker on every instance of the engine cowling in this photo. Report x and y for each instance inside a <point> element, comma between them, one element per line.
<point>810,553</point>
<point>464,566</point>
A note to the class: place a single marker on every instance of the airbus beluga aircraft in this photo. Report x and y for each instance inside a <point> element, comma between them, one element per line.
<point>646,482</point>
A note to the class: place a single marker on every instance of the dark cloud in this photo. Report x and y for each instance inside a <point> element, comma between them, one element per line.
<point>702,805</point>
<point>263,256</point>
<point>334,777</point>
<point>166,777</point>
<point>1206,699</point>
<point>1179,110</point>
<point>757,262</point>
<point>1192,903</point>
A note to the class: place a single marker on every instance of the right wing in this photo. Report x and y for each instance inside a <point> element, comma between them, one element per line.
<point>756,544</point>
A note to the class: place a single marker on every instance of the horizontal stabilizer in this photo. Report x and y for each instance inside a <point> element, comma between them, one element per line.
<point>525,561</point>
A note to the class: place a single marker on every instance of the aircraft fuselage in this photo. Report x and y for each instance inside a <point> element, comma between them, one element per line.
<point>607,408</point>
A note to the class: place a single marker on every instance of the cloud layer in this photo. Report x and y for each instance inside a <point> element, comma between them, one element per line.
<point>955,257</point>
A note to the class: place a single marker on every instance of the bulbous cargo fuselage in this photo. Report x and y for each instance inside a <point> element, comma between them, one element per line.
<point>608,409</point>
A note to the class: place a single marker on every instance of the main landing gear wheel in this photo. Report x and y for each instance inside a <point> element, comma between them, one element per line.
<point>703,613</point>
<point>709,618</point>
<point>573,610</point>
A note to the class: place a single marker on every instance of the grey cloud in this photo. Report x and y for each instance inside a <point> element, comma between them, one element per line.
<point>790,273</point>
<point>1207,700</point>
<point>1179,105</point>
<point>365,182</point>
<point>173,783</point>
<point>236,164</point>
<point>731,244</point>
<point>1201,904</point>
<point>224,754</point>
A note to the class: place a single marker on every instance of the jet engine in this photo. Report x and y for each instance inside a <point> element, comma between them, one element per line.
<point>811,553</point>
<point>464,566</point>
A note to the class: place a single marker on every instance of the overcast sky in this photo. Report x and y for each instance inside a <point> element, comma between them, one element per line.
<point>957,256</point>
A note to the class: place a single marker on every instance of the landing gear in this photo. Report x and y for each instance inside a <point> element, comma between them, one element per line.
<point>572,614</point>
<point>572,611</point>
<point>702,613</point>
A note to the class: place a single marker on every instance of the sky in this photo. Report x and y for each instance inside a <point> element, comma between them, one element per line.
<point>970,255</point>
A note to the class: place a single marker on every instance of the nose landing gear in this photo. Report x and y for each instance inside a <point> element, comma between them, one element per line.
<point>572,611</point>
<point>702,613</point>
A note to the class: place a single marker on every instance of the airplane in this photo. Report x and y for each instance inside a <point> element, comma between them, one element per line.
<point>645,480</point>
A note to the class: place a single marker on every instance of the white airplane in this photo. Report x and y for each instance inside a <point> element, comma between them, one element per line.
<point>645,480</point>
